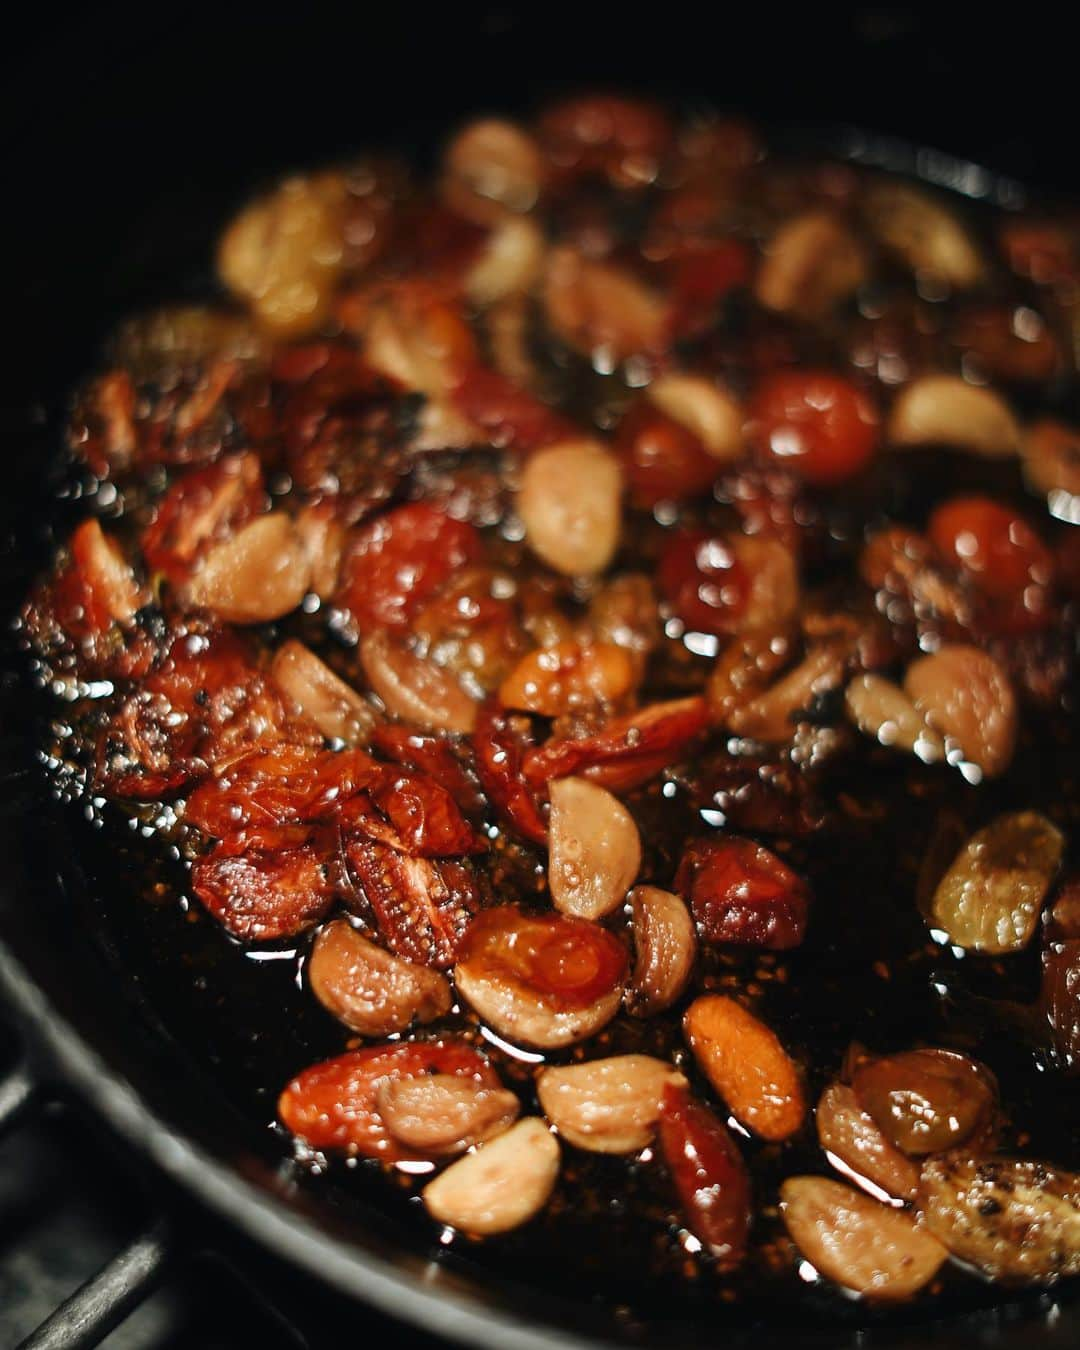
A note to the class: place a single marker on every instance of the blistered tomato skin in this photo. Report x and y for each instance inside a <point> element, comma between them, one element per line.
<point>818,425</point>
<point>662,461</point>
<point>740,892</point>
<point>1003,557</point>
<point>398,561</point>
<point>333,1105</point>
<point>704,581</point>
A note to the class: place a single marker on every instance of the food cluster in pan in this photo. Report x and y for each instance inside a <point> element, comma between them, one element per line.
<point>431,565</point>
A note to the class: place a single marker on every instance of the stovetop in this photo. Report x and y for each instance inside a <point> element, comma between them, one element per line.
<point>72,1201</point>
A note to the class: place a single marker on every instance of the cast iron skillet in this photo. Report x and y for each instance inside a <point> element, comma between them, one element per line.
<point>94,1029</point>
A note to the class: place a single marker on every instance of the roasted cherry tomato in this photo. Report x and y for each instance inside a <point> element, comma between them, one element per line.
<point>569,962</point>
<point>703,581</point>
<point>741,892</point>
<point>1002,555</point>
<point>333,1104</point>
<point>816,424</point>
<point>399,560</point>
<point>662,460</point>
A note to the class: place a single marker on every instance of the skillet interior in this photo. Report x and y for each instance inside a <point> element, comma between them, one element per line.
<point>130,1066</point>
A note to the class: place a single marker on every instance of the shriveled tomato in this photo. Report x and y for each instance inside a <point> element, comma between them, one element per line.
<point>430,754</point>
<point>399,560</point>
<point>333,1105</point>
<point>206,702</point>
<point>425,815</point>
<point>200,507</point>
<point>1001,554</point>
<point>627,753</point>
<point>280,785</point>
<point>512,417</point>
<point>816,424</point>
<point>709,1174</point>
<point>422,906</point>
<point>661,459</point>
<point>500,747</point>
<point>701,277</point>
<point>568,962</point>
<point>703,581</point>
<point>741,892</point>
<point>274,888</point>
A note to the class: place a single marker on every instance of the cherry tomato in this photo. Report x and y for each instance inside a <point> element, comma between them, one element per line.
<point>703,581</point>
<point>662,460</point>
<point>741,892</point>
<point>569,962</point>
<point>399,560</point>
<point>333,1104</point>
<point>701,278</point>
<point>816,424</point>
<point>1001,554</point>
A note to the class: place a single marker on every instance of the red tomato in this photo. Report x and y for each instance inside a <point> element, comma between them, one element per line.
<point>703,581</point>
<point>701,278</point>
<point>512,417</point>
<point>1002,555</point>
<point>741,892</point>
<point>662,460</point>
<point>568,961</point>
<point>816,424</point>
<point>709,1175</point>
<point>200,507</point>
<point>399,560</point>
<point>333,1104</point>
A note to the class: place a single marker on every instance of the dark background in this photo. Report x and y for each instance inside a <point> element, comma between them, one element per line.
<point>126,132</point>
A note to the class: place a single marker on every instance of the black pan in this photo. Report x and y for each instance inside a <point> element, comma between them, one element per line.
<point>90,1022</point>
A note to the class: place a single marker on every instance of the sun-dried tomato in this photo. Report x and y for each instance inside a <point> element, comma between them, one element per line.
<point>332,1105</point>
<point>398,561</point>
<point>740,892</point>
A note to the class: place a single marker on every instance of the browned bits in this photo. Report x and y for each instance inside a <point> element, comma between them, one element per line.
<point>283,253</point>
<point>665,946</point>
<point>989,899</point>
<point>372,992</point>
<point>594,849</point>
<point>337,710</point>
<point>774,583</point>
<point>441,1114</point>
<point>946,410</point>
<point>926,1101</point>
<point>1012,1218</point>
<point>570,503</point>
<point>865,1246</point>
<point>812,263</point>
<point>607,1105</point>
<point>413,688</point>
<point>964,694</point>
<point>847,1133</point>
<point>746,1064</point>
<point>502,1185</point>
<point>744,669</point>
<point>259,573</point>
